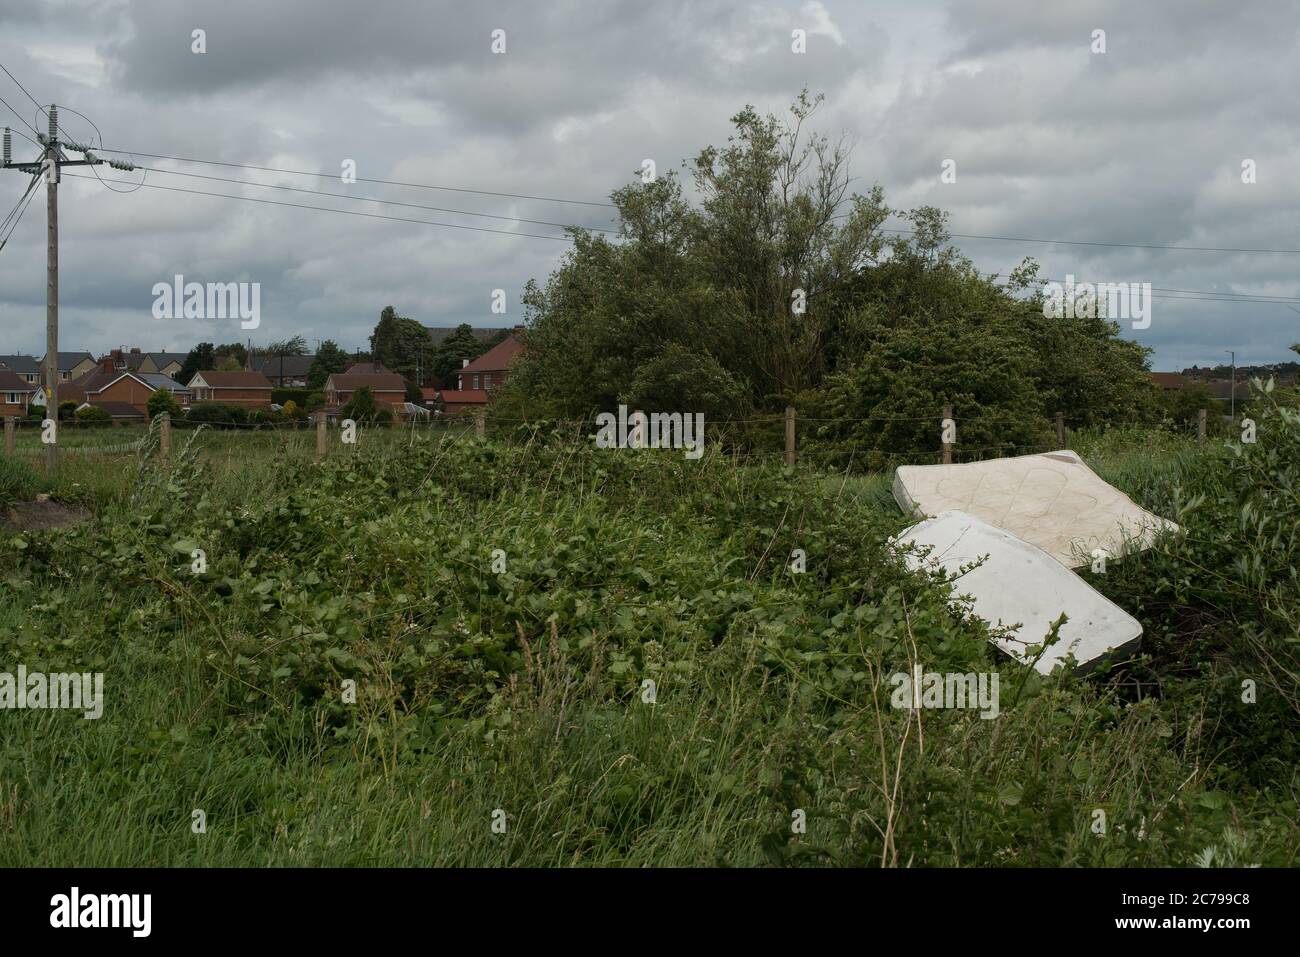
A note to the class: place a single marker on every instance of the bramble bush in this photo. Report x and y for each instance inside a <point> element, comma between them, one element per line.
<point>517,679</point>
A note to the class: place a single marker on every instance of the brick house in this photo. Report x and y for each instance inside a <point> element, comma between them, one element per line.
<point>250,390</point>
<point>15,393</point>
<point>456,401</point>
<point>284,372</point>
<point>166,363</point>
<point>489,369</point>
<point>385,386</point>
<point>478,377</point>
<point>1168,381</point>
<point>26,367</point>
<point>108,384</point>
<point>368,368</point>
<point>73,365</point>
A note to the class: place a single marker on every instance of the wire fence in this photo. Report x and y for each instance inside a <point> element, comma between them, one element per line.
<point>826,442</point>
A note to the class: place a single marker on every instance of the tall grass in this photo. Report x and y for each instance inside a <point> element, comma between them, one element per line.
<point>646,682</point>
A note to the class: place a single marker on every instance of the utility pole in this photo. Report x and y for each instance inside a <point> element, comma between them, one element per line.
<point>50,163</point>
<point>1233,392</point>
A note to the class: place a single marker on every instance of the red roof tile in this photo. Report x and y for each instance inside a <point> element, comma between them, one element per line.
<point>496,359</point>
<point>378,382</point>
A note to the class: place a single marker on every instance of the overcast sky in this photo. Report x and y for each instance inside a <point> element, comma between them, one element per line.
<point>1142,144</point>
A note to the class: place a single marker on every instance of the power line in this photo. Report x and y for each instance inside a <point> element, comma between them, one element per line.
<point>24,89</point>
<point>582,202</point>
<point>1080,242</point>
<point>16,214</point>
<point>1206,295</point>
<point>362,179</point>
<point>326,209</point>
<point>21,119</point>
<point>386,202</point>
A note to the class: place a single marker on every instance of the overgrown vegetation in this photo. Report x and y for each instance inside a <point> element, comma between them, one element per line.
<point>523,689</point>
<point>778,286</point>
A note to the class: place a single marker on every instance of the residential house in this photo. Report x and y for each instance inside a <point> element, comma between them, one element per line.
<point>25,367</point>
<point>251,390</point>
<point>15,393</point>
<point>368,368</point>
<point>136,360</point>
<point>385,386</point>
<point>73,365</point>
<point>284,372</point>
<point>164,363</point>
<point>455,401</point>
<point>105,383</point>
<point>478,377</point>
<point>1168,381</point>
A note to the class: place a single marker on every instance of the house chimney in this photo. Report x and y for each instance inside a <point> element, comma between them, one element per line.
<point>135,350</point>
<point>106,363</point>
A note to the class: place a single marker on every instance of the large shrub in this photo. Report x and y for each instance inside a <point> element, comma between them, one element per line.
<point>93,416</point>
<point>217,414</point>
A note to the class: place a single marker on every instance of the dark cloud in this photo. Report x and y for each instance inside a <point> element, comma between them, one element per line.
<point>1141,144</point>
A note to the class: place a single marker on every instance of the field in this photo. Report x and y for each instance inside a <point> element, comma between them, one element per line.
<point>570,656</point>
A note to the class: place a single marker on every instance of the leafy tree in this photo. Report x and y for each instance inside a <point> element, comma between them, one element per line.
<point>329,360</point>
<point>231,350</point>
<point>229,364</point>
<point>399,343</point>
<point>451,353</point>
<point>744,281</point>
<point>91,415</point>
<point>200,357</point>
<point>162,401</point>
<point>1182,406</point>
<point>781,287</point>
<point>295,346</point>
<point>361,406</point>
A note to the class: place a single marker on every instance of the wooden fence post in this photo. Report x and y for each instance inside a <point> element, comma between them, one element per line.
<point>1060,430</point>
<point>9,435</point>
<point>320,435</point>
<point>165,437</point>
<point>1200,427</point>
<point>943,436</point>
<point>789,435</point>
<point>480,423</point>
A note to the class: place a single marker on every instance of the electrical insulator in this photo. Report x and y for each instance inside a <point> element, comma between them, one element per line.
<point>9,146</point>
<point>54,122</point>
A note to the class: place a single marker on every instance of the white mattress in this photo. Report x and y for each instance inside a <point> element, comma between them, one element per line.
<point>1052,500</point>
<point>1020,585</point>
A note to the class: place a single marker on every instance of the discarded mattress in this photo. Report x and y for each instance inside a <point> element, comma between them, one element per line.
<point>1052,500</point>
<point>1021,585</point>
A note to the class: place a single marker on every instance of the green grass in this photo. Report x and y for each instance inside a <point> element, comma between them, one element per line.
<point>523,691</point>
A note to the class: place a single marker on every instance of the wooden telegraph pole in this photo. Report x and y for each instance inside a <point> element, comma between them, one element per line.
<point>52,160</point>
